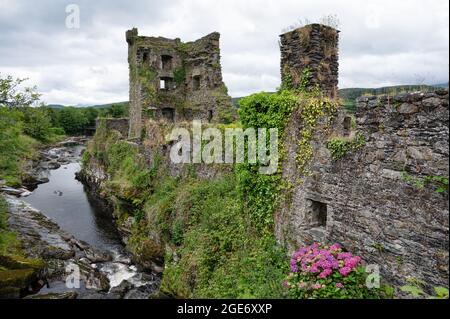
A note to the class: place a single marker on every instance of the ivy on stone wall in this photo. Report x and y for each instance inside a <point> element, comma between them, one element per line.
<point>274,111</point>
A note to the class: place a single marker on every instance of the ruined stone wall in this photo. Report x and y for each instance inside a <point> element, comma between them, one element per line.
<point>371,200</point>
<point>175,81</point>
<point>309,57</point>
<point>120,125</point>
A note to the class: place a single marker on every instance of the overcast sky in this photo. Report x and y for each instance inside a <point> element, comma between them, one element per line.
<point>383,42</point>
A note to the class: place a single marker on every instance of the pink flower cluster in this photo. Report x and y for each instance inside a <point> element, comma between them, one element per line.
<point>323,260</point>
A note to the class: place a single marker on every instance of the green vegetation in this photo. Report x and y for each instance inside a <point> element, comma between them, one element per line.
<point>438,183</point>
<point>179,75</point>
<point>415,288</point>
<point>219,254</point>
<point>15,146</point>
<point>341,146</point>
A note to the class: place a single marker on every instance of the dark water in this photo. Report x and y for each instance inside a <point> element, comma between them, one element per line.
<point>66,202</point>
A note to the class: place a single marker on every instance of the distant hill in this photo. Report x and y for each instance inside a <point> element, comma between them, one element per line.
<point>106,106</point>
<point>55,106</point>
<point>441,85</point>
<point>99,106</point>
<point>353,93</point>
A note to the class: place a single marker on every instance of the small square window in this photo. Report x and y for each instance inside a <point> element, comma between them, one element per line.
<point>317,213</point>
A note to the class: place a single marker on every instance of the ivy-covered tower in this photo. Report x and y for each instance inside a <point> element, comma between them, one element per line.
<point>175,81</point>
<point>309,58</point>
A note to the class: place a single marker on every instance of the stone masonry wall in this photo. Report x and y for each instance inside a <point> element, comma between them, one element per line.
<point>368,200</point>
<point>120,125</point>
<point>313,47</point>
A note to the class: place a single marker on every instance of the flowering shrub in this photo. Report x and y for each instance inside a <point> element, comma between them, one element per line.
<point>319,271</point>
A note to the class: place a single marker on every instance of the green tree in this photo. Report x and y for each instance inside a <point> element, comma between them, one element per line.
<point>13,95</point>
<point>72,120</point>
<point>37,123</point>
<point>91,115</point>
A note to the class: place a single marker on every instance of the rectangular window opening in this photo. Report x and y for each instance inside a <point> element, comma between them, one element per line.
<point>347,125</point>
<point>196,82</point>
<point>168,114</point>
<point>166,62</point>
<point>318,212</point>
<point>145,58</point>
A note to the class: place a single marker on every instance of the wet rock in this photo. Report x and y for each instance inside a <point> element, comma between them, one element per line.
<point>53,165</point>
<point>25,193</point>
<point>97,256</point>
<point>63,295</point>
<point>137,293</point>
<point>121,289</point>
<point>11,191</point>
<point>91,253</point>
<point>52,252</point>
<point>93,278</point>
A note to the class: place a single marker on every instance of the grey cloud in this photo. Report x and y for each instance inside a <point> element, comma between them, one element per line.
<point>382,41</point>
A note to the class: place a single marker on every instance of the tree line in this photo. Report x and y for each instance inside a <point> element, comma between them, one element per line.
<point>22,107</point>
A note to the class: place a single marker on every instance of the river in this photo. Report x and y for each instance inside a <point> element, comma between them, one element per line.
<point>66,201</point>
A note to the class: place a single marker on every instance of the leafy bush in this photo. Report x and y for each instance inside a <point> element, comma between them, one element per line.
<point>72,120</point>
<point>219,254</point>
<point>319,271</point>
<point>37,123</point>
<point>15,147</point>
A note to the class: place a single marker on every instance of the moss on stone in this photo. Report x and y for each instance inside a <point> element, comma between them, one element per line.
<point>17,277</point>
<point>19,262</point>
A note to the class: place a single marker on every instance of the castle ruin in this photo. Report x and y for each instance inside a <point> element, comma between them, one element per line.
<point>175,81</point>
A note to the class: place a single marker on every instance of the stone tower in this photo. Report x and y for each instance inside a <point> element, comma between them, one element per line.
<point>309,58</point>
<point>175,81</point>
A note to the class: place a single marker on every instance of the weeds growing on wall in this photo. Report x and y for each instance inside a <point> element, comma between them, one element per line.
<point>340,146</point>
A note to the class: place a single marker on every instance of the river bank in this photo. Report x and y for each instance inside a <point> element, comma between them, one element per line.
<point>53,250</point>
